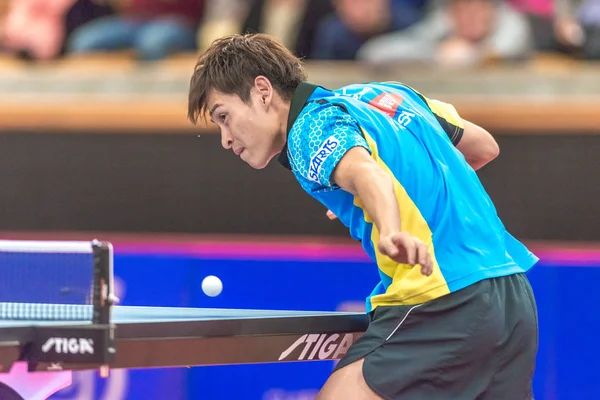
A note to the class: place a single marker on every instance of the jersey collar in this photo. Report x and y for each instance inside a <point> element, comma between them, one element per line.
<point>301,96</point>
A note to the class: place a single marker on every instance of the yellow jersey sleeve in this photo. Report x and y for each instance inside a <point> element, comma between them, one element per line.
<point>446,115</point>
<point>448,118</point>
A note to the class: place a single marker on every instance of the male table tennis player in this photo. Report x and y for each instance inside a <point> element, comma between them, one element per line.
<point>453,316</point>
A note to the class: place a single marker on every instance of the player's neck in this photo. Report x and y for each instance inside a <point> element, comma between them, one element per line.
<point>283,110</point>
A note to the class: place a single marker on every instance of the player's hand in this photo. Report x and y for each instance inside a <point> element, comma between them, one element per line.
<point>331,215</point>
<point>406,249</point>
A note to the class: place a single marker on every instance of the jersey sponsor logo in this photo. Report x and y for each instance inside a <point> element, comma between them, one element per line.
<point>405,118</point>
<point>69,345</point>
<point>320,156</point>
<point>319,346</point>
<point>387,103</point>
<point>357,96</point>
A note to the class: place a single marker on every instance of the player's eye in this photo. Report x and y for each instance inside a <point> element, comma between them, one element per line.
<point>222,117</point>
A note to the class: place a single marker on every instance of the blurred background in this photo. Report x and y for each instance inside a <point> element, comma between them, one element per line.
<point>94,143</point>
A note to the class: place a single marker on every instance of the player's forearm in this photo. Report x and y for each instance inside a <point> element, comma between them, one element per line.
<point>375,189</point>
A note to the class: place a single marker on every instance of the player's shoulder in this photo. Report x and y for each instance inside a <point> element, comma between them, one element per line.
<point>318,116</point>
<point>360,89</point>
<point>319,137</point>
<point>321,108</point>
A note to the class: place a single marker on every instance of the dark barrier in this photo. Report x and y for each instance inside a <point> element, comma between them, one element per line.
<point>545,186</point>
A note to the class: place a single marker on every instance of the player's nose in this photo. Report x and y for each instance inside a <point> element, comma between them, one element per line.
<point>226,139</point>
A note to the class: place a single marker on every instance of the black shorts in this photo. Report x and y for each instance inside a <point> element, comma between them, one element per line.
<point>477,343</point>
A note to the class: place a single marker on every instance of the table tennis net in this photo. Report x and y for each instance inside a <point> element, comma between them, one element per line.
<point>45,312</point>
<point>55,272</point>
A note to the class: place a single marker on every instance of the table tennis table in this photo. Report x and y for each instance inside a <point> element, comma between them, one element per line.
<point>42,344</point>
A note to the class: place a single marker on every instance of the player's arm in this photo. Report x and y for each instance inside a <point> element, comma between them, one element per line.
<point>335,154</point>
<point>477,145</point>
<point>360,175</point>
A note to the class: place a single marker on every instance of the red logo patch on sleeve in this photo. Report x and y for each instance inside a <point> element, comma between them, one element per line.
<point>387,103</point>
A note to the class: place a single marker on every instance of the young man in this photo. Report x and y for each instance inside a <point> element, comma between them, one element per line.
<point>453,316</point>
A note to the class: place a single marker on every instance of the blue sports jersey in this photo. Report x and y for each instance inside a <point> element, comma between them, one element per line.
<point>440,198</point>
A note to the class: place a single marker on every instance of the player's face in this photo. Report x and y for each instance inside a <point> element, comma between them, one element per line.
<point>251,130</point>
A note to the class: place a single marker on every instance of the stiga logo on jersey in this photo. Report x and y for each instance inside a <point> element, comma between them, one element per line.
<point>388,103</point>
<point>69,345</point>
<point>320,347</point>
<point>316,162</point>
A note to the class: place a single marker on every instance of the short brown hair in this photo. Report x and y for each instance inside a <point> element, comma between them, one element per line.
<point>232,63</point>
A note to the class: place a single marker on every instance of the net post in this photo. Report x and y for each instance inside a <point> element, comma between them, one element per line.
<point>103,282</point>
<point>103,297</point>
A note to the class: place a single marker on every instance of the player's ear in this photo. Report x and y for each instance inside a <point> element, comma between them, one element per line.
<point>264,89</point>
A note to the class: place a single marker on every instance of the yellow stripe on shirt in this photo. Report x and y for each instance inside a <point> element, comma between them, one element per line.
<point>408,286</point>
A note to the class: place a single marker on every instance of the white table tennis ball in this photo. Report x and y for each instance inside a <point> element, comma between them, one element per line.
<point>212,286</point>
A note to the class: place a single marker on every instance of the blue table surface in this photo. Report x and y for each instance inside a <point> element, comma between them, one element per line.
<point>138,314</point>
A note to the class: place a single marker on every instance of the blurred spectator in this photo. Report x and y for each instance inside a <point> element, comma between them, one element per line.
<point>540,14</point>
<point>293,22</point>
<point>278,18</point>
<point>84,11</point>
<point>308,36</point>
<point>356,21</point>
<point>576,27</point>
<point>457,33</point>
<point>221,18</point>
<point>38,29</point>
<point>154,29</point>
<point>35,27</point>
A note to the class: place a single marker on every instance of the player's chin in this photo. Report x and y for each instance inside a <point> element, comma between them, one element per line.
<point>258,163</point>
